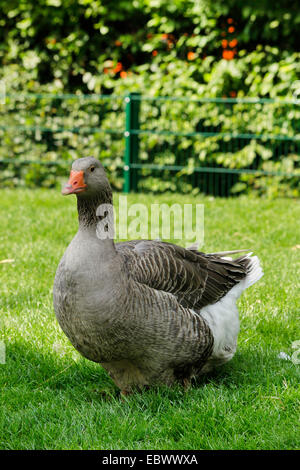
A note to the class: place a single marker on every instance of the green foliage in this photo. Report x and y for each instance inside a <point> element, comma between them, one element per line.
<point>156,48</point>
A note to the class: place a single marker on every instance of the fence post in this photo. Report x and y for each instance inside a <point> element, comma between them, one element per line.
<point>132,108</point>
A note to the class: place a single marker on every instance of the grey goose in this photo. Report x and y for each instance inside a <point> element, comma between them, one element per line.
<point>150,312</point>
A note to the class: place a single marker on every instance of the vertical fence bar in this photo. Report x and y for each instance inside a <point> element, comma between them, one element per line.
<point>126,187</point>
<point>132,108</point>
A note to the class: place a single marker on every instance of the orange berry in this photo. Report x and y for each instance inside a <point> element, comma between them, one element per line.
<point>191,55</point>
<point>229,20</point>
<point>231,29</point>
<point>154,53</point>
<point>224,43</point>
<point>233,43</point>
<point>118,43</point>
<point>118,67</point>
<point>123,74</point>
<point>227,54</point>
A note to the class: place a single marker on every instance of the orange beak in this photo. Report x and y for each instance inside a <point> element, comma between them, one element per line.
<point>75,184</point>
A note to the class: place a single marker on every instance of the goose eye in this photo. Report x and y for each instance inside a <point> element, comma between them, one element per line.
<point>92,168</point>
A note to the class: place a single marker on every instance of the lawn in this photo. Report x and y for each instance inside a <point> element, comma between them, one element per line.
<point>52,398</point>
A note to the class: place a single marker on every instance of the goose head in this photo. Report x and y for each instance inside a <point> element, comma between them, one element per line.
<point>87,178</point>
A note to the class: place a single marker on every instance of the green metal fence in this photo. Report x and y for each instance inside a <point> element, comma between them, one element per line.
<point>219,146</point>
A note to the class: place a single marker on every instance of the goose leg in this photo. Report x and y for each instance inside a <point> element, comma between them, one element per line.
<point>186,384</point>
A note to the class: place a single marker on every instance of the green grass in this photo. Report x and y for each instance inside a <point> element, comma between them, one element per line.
<point>52,398</point>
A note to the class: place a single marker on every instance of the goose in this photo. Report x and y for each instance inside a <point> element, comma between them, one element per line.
<point>150,312</point>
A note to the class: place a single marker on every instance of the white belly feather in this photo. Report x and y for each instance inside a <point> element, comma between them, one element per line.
<point>223,318</point>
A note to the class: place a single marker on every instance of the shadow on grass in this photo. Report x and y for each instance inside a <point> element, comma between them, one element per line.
<point>33,370</point>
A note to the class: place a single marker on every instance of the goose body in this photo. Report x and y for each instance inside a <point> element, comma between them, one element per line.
<point>150,312</point>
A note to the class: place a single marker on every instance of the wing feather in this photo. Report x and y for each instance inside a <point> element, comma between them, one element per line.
<point>196,279</point>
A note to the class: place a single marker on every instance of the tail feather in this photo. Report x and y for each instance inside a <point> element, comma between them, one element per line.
<point>254,271</point>
<point>253,268</point>
<point>225,253</point>
<point>251,263</point>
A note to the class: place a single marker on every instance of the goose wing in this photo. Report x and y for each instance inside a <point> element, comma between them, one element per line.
<point>196,279</point>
